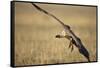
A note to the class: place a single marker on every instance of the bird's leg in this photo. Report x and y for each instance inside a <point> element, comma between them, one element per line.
<point>69,38</point>
<point>72,48</point>
<point>71,42</point>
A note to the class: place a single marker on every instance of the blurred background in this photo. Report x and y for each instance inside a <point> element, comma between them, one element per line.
<point>35,41</point>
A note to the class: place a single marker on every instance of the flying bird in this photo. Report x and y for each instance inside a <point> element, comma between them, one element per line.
<point>68,34</point>
<point>76,41</point>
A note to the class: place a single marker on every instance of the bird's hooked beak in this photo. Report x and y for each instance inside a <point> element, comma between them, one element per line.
<point>57,36</point>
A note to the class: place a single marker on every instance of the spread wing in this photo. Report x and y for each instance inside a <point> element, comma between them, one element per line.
<point>44,11</point>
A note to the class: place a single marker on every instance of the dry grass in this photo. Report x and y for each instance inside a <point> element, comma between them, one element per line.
<point>35,41</point>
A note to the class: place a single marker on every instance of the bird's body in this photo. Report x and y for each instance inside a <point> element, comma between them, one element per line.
<point>69,34</point>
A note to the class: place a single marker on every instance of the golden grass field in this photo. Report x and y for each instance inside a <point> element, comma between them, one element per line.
<point>35,32</point>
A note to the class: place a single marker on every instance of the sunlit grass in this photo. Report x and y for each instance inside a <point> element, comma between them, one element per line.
<point>37,45</point>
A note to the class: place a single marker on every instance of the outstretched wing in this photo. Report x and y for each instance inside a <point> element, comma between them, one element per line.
<point>83,50</point>
<point>44,11</point>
